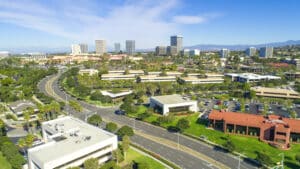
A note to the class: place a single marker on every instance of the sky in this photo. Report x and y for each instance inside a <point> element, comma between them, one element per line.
<point>60,23</point>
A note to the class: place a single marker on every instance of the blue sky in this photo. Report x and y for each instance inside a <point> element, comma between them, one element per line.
<point>59,23</point>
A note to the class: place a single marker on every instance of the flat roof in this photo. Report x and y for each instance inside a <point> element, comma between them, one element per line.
<point>145,77</point>
<point>21,105</point>
<point>273,90</point>
<point>68,144</point>
<point>116,75</point>
<point>172,99</point>
<point>115,95</point>
<point>193,78</point>
<point>252,76</point>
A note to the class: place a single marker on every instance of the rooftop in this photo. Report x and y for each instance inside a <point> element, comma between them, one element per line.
<point>72,135</point>
<point>171,99</point>
<point>252,76</point>
<point>274,90</point>
<point>21,105</point>
<point>115,95</point>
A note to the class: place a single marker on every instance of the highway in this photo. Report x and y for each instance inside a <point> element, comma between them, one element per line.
<point>179,149</point>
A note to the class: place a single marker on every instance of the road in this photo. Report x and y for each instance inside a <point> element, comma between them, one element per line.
<point>200,156</point>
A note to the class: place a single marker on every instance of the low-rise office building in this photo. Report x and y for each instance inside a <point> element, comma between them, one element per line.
<point>276,130</point>
<point>292,75</point>
<point>155,78</point>
<point>196,80</point>
<point>89,72</point>
<point>174,73</point>
<point>19,107</point>
<point>116,96</point>
<point>172,103</point>
<point>275,92</point>
<point>250,77</point>
<point>213,75</point>
<point>69,142</point>
<point>117,77</point>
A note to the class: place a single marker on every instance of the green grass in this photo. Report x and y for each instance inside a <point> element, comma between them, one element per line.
<point>133,155</point>
<point>4,164</point>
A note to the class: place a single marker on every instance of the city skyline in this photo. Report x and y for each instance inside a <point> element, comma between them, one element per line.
<point>59,24</point>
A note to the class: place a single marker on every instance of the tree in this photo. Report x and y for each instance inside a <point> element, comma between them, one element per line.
<point>95,120</point>
<point>183,124</point>
<point>2,128</point>
<point>111,127</point>
<point>110,165</point>
<point>11,153</point>
<point>91,163</point>
<point>117,155</point>
<point>297,157</point>
<point>144,165</point>
<point>264,158</point>
<point>75,105</point>
<point>125,130</point>
<point>27,113</point>
<point>125,144</point>
<point>29,139</point>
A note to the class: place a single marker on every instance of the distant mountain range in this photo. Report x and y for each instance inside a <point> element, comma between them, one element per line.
<point>242,47</point>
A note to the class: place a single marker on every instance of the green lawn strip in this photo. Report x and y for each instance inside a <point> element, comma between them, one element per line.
<point>137,157</point>
<point>4,164</point>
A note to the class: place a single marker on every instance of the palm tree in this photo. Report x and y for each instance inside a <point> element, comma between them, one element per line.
<point>27,113</point>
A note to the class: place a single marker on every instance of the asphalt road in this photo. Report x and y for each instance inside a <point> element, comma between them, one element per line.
<point>181,158</point>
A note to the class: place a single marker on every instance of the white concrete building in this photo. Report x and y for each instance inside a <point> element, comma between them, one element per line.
<point>224,53</point>
<point>117,77</point>
<point>78,49</point>
<point>196,80</point>
<point>250,77</point>
<point>89,72</point>
<point>69,142</point>
<point>195,52</point>
<point>155,78</point>
<point>172,103</point>
<point>100,47</point>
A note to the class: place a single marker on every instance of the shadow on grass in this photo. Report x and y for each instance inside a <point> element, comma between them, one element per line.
<point>291,165</point>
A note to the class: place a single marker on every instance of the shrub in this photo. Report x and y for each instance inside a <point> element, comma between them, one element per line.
<point>125,130</point>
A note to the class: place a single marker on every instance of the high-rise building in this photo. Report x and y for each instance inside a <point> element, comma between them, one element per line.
<point>266,52</point>
<point>130,47</point>
<point>161,50</point>
<point>251,51</point>
<point>117,47</point>
<point>79,49</point>
<point>224,53</point>
<point>172,50</point>
<point>100,46</point>
<point>195,52</point>
<point>176,41</point>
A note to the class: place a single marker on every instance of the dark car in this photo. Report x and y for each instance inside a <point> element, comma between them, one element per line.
<point>119,112</point>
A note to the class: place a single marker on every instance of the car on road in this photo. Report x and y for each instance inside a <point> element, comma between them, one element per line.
<point>119,112</point>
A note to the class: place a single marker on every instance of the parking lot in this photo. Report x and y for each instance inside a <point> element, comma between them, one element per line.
<point>253,108</point>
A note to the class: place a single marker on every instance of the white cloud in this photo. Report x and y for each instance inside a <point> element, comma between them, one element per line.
<point>184,19</point>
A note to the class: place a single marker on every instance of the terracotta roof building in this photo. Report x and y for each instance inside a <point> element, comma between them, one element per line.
<point>273,129</point>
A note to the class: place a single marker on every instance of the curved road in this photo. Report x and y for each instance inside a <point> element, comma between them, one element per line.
<point>179,149</point>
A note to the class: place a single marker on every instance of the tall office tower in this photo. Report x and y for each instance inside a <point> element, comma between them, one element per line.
<point>172,50</point>
<point>266,52</point>
<point>84,48</point>
<point>79,49</point>
<point>176,41</point>
<point>117,47</point>
<point>161,50</point>
<point>224,53</point>
<point>100,46</point>
<point>130,47</point>
<point>251,51</point>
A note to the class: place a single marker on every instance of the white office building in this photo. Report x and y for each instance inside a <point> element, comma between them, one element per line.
<point>185,52</point>
<point>266,52</point>
<point>172,103</point>
<point>69,142</point>
<point>100,46</point>
<point>195,52</point>
<point>250,77</point>
<point>161,50</point>
<point>251,51</point>
<point>130,47</point>
<point>224,53</point>
<point>78,49</point>
<point>117,47</point>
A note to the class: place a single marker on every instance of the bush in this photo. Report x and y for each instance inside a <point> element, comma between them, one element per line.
<point>143,116</point>
<point>183,124</point>
<point>297,157</point>
<point>264,159</point>
<point>166,119</point>
<point>125,130</point>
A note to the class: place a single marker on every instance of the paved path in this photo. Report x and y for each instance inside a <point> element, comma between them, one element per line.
<point>206,156</point>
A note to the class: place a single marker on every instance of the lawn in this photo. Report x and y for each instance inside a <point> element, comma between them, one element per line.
<point>137,157</point>
<point>4,163</point>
